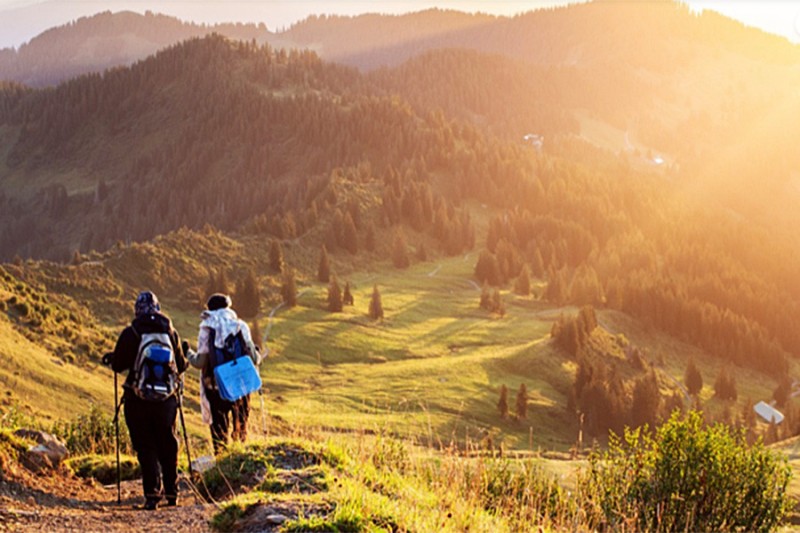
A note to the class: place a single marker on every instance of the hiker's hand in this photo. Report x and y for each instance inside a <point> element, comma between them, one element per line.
<point>185,347</point>
<point>107,358</point>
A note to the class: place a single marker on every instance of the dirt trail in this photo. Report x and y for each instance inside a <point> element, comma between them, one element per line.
<point>59,502</point>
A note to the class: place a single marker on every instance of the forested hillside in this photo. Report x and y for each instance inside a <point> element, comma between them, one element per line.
<point>642,168</point>
<point>103,41</point>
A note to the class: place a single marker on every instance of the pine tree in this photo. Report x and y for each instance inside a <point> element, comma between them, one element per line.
<point>400,257</point>
<point>248,297</point>
<point>502,403</point>
<point>375,305</point>
<point>334,296</point>
<point>522,402</point>
<point>422,253</point>
<point>369,240</point>
<point>349,234</point>
<point>324,269</point>
<point>523,283</point>
<point>255,333</point>
<point>645,401</point>
<point>725,386</point>
<point>782,392</point>
<point>693,379</point>
<point>486,298</point>
<point>222,285</point>
<point>276,256</point>
<point>347,297</point>
<point>289,288</point>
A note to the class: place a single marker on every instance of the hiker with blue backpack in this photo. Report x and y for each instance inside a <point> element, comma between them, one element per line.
<point>228,360</point>
<point>150,350</point>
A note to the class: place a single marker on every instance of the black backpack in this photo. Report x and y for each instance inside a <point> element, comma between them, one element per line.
<point>155,370</point>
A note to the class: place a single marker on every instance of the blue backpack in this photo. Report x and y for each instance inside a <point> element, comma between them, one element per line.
<point>231,368</point>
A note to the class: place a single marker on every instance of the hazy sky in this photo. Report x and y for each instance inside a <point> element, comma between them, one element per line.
<point>21,20</point>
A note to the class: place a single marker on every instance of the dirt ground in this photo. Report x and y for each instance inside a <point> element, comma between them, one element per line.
<point>61,502</point>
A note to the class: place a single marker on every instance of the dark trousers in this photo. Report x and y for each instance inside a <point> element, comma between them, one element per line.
<point>225,416</point>
<point>152,429</point>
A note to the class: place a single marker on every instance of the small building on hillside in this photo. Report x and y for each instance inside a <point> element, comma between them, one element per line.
<point>768,413</point>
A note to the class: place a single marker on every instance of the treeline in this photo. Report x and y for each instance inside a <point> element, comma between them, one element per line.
<point>598,238</point>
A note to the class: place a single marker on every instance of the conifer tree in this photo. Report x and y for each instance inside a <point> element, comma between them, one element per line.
<point>645,401</point>
<point>276,256</point>
<point>289,288</point>
<point>334,296</point>
<point>422,253</point>
<point>369,240</point>
<point>248,297</point>
<point>349,234</point>
<point>522,402</point>
<point>486,297</point>
<point>693,379</point>
<point>523,283</point>
<point>725,386</point>
<point>324,269</point>
<point>502,403</point>
<point>783,391</point>
<point>375,305</point>
<point>347,297</point>
<point>255,333</point>
<point>400,257</point>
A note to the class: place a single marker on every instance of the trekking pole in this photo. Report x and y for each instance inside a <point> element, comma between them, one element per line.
<point>263,420</point>
<point>117,405</point>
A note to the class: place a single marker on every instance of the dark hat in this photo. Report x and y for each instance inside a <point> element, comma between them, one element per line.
<point>218,301</point>
<point>146,304</point>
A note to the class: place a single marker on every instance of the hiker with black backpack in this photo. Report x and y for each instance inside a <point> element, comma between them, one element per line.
<point>150,351</point>
<point>224,338</point>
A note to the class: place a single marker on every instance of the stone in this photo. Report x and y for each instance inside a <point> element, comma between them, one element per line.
<point>49,452</point>
<point>276,519</point>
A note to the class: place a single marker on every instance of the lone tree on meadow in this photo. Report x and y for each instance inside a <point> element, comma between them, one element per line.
<point>276,256</point>
<point>334,296</point>
<point>248,297</point>
<point>324,268</point>
<point>375,305</point>
<point>502,403</point>
<point>693,378</point>
<point>522,402</point>
<point>347,297</point>
<point>289,288</point>
<point>725,386</point>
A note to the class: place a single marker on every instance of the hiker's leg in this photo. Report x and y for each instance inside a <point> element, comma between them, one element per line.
<point>241,412</point>
<point>220,410</point>
<point>168,446</point>
<point>137,416</point>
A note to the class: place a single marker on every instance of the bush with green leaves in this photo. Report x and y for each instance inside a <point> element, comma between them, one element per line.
<point>686,477</point>
<point>93,433</point>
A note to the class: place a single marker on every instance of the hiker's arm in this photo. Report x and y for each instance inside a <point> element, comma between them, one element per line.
<point>180,356</point>
<point>125,351</point>
<point>198,359</point>
<point>251,347</point>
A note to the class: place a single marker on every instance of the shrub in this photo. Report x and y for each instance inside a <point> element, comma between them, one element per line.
<point>103,468</point>
<point>93,433</point>
<point>685,478</point>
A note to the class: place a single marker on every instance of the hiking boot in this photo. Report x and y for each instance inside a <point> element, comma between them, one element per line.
<point>172,502</point>
<point>151,505</point>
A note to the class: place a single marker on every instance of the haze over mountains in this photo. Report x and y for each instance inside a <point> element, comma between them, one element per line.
<point>634,157</point>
